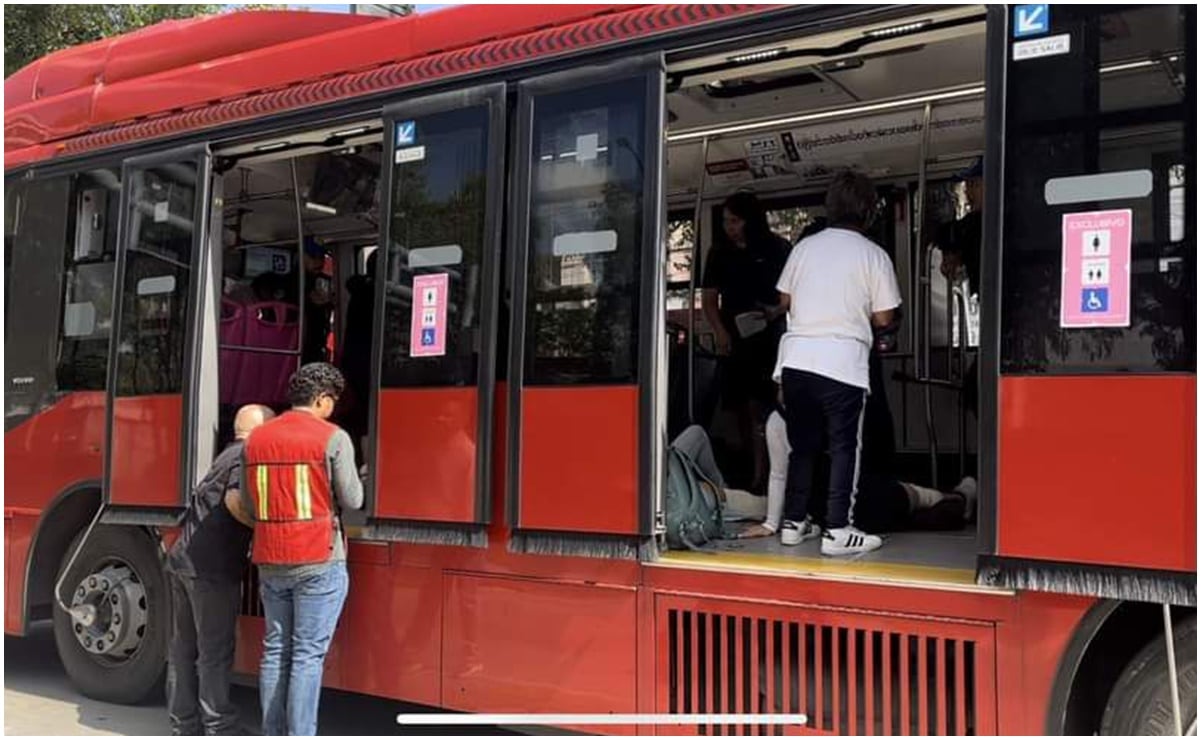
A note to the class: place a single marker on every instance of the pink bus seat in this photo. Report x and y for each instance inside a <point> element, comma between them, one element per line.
<point>263,376</point>
<point>231,332</point>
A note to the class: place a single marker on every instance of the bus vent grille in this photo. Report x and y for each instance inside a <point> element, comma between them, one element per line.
<point>849,673</point>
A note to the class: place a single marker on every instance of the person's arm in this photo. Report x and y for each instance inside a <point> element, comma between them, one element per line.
<point>344,474</point>
<point>234,505</point>
<point>713,316</point>
<point>710,298</point>
<point>885,291</point>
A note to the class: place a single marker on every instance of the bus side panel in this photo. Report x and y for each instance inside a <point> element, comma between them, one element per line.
<point>55,449</point>
<point>390,638</point>
<point>1099,470</point>
<point>579,459</point>
<point>426,455</point>
<point>145,451</point>
<point>1030,649</point>
<point>388,641</point>
<point>523,646</point>
<point>18,539</point>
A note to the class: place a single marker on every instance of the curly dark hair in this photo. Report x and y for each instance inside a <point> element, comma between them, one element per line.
<point>851,200</point>
<point>314,380</point>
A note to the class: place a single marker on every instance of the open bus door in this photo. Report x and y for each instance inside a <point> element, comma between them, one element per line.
<point>587,333</point>
<point>152,445</point>
<point>1090,312</point>
<point>437,279</point>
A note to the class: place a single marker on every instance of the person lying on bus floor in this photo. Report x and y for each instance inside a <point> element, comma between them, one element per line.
<point>883,504</point>
<point>737,505</point>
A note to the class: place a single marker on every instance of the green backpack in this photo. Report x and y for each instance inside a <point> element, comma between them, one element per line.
<point>692,512</point>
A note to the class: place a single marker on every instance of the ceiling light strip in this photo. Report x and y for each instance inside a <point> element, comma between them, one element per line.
<point>828,114</point>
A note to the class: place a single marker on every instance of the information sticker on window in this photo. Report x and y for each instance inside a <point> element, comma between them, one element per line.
<point>427,331</point>
<point>1096,269</point>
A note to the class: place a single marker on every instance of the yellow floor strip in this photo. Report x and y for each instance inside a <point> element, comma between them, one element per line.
<point>896,574</point>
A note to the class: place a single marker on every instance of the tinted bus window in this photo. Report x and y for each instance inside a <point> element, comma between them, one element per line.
<point>585,236</point>
<point>437,210</point>
<point>154,291</point>
<point>1116,103</point>
<point>39,234</point>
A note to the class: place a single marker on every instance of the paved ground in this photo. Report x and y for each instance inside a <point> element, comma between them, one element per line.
<point>39,700</point>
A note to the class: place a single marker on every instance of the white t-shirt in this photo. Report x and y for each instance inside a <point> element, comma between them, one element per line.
<point>835,279</point>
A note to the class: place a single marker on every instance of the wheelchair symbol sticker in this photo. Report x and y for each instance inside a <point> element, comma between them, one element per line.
<point>1094,300</point>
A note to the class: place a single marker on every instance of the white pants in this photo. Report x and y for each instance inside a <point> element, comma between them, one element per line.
<point>778,450</point>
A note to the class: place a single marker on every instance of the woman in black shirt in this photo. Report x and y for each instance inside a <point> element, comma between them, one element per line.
<point>741,304</point>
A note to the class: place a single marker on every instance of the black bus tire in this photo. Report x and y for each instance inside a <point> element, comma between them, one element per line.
<point>1141,700</point>
<point>138,672</point>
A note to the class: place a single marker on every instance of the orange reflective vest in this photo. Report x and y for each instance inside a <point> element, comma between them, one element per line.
<point>286,473</point>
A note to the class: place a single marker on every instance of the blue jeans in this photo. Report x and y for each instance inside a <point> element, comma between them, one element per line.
<point>301,614</point>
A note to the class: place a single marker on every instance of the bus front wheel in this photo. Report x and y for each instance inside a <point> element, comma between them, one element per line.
<point>113,641</point>
<point>1141,701</point>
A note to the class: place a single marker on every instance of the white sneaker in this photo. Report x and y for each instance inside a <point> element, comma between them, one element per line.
<point>969,489</point>
<point>794,533</point>
<point>848,541</point>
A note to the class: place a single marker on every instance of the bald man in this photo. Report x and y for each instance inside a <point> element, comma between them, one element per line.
<point>206,565</point>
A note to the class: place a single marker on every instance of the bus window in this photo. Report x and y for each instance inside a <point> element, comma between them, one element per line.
<point>585,232</point>
<point>154,295</point>
<point>88,292</point>
<point>438,229</point>
<point>39,235</point>
<point>1117,105</point>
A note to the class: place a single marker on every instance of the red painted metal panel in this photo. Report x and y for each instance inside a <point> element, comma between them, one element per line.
<point>55,449</point>
<point>388,643</point>
<point>1076,452</point>
<point>426,456</point>
<point>45,455</point>
<point>18,539</point>
<point>512,645</point>
<point>145,454</point>
<point>579,445</point>
<point>388,639</point>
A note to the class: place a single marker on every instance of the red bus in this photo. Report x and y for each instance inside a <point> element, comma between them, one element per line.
<point>192,209</point>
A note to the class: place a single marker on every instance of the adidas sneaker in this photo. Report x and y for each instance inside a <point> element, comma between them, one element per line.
<point>794,533</point>
<point>848,541</point>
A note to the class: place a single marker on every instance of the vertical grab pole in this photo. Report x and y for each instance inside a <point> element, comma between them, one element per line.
<point>961,300</point>
<point>1173,679</point>
<point>304,275</point>
<point>925,305</point>
<point>692,268</point>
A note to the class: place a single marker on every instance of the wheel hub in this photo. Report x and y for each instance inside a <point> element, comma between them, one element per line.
<point>108,612</point>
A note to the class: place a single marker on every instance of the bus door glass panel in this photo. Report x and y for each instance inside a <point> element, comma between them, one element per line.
<point>1100,145</point>
<point>444,186</point>
<point>587,294</point>
<point>151,441</point>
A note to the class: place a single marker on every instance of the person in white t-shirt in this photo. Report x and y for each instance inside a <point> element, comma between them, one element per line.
<point>837,285</point>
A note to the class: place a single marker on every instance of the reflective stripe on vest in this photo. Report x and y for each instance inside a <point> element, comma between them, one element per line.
<point>261,475</point>
<point>304,496</point>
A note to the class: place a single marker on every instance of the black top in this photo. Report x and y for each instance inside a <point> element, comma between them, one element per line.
<point>213,545</point>
<point>745,278</point>
<point>964,238</point>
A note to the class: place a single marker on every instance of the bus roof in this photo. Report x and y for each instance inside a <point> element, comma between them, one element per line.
<point>78,99</point>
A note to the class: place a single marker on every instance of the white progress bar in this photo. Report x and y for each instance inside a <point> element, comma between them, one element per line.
<point>601,719</point>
